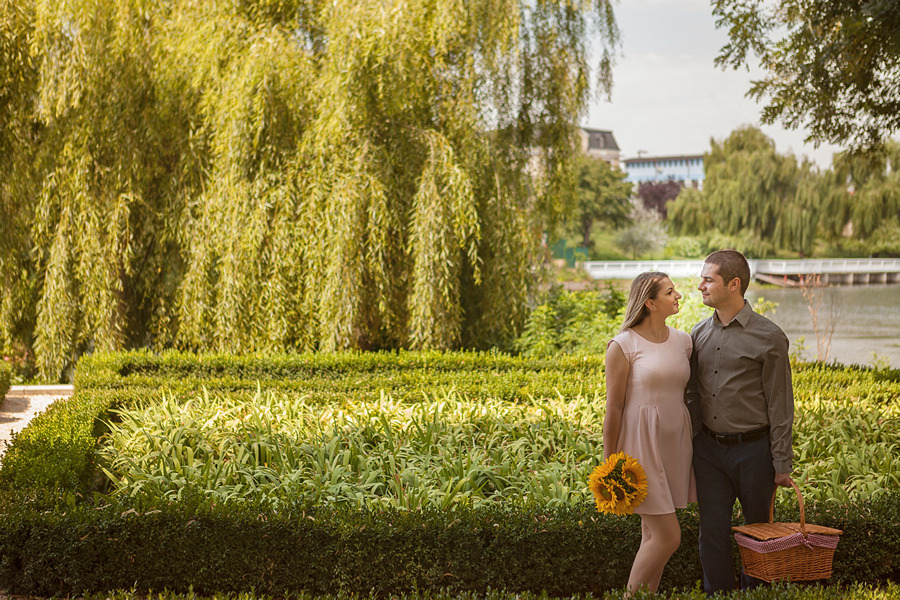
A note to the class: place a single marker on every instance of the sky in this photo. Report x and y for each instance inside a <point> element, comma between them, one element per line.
<point>668,96</point>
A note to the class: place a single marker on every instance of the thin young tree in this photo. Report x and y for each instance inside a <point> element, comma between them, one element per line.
<point>603,197</point>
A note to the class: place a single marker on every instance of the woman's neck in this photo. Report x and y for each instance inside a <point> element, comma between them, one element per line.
<point>652,329</point>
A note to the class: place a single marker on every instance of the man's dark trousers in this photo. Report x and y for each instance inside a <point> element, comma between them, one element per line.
<point>725,473</point>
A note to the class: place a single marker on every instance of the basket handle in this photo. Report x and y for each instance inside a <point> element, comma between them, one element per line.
<point>799,501</point>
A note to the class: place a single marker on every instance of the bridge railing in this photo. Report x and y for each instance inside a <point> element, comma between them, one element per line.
<point>830,265</point>
<point>691,268</point>
<point>629,269</point>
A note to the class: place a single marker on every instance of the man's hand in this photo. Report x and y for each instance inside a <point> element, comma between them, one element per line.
<point>783,479</point>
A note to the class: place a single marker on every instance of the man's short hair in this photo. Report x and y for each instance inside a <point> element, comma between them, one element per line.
<point>731,264</point>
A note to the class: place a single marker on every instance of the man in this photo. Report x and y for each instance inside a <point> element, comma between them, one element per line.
<point>741,383</point>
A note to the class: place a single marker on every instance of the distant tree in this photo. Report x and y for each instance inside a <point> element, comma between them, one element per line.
<point>21,136</point>
<point>106,151</point>
<point>831,66</point>
<point>751,189</point>
<point>824,309</point>
<point>862,197</point>
<point>657,194</point>
<point>603,197</point>
<point>747,182</point>
<point>645,234</point>
<point>688,214</point>
<point>753,195</point>
<point>797,225</point>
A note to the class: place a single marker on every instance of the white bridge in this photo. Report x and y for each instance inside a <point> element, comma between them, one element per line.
<point>841,271</point>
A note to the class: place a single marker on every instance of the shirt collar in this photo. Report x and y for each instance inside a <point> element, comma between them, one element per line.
<point>742,317</point>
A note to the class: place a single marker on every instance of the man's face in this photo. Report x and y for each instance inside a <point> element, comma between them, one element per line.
<point>712,287</point>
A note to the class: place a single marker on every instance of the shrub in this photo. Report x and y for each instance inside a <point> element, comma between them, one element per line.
<point>776,592</point>
<point>323,549</point>
<point>56,450</point>
<point>56,537</point>
<point>5,378</point>
<point>575,323</point>
<point>443,451</point>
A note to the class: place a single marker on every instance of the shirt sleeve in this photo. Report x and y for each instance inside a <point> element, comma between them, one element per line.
<point>777,386</point>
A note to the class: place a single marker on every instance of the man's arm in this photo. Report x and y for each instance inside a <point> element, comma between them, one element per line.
<point>783,479</point>
<point>692,393</point>
<point>776,380</point>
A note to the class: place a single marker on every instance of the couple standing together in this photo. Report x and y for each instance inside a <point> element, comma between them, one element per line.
<point>708,415</point>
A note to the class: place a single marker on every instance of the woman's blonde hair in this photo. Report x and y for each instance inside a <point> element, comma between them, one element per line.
<point>644,287</point>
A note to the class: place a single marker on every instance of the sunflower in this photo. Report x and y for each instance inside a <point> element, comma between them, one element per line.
<point>618,485</point>
<point>604,496</point>
<point>623,505</point>
<point>634,476</point>
<point>609,465</point>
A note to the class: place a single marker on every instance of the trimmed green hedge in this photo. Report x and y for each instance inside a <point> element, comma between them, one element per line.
<point>324,377</point>
<point>776,592</point>
<point>56,450</point>
<point>319,550</point>
<point>57,537</point>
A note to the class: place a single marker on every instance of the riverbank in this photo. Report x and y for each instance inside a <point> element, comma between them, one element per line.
<point>860,324</point>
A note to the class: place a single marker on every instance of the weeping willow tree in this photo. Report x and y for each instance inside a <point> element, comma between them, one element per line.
<point>757,199</point>
<point>112,162</point>
<point>293,174</point>
<point>863,199</point>
<point>20,136</point>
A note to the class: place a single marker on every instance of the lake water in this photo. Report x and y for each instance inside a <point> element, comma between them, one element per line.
<point>867,320</point>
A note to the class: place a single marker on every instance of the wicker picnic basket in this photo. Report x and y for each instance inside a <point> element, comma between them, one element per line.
<point>793,551</point>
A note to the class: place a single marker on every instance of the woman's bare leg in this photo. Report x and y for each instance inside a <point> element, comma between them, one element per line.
<point>660,538</point>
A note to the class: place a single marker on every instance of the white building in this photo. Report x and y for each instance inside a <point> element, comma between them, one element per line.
<point>685,168</point>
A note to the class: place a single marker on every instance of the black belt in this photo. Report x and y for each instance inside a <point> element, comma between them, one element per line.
<point>732,439</point>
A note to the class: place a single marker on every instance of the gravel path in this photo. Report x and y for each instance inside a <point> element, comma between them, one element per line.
<point>22,403</point>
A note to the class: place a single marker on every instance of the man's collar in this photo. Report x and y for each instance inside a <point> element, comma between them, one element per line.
<point>742,317</point>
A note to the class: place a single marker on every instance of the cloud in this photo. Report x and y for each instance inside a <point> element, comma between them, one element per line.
<point>669,97</point>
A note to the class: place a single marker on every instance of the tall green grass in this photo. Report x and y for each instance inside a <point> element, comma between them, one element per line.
<point>442,451</point>
<point>847,449</point>
<point>445,450</point>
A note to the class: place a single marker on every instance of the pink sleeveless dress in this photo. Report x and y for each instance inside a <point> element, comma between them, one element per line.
<point>656,425</point>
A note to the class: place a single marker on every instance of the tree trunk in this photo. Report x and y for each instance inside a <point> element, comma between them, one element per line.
<point>587,223</point>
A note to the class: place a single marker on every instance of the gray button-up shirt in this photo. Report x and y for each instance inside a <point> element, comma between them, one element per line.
<point>741,376</point>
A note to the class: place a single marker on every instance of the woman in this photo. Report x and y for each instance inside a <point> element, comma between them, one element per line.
<point>647,369</point>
